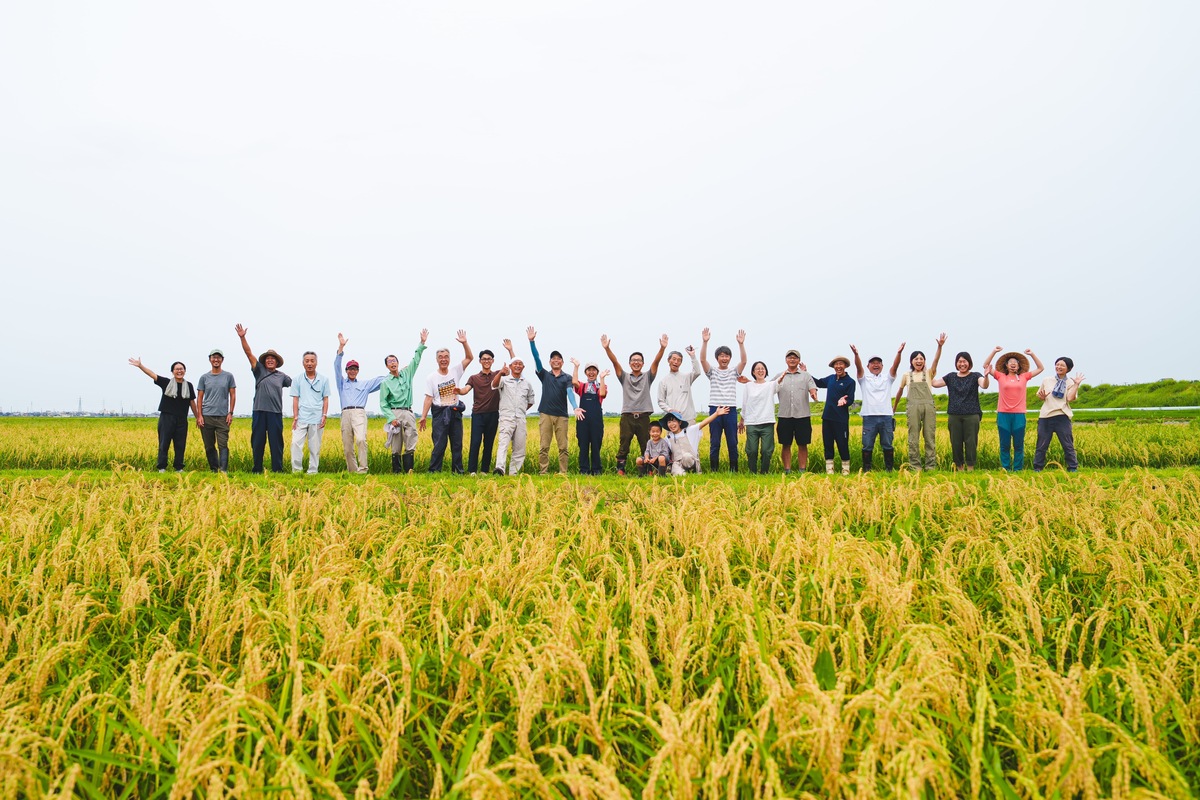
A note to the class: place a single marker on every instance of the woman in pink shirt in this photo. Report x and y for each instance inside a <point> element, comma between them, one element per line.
<point>1012,375</point>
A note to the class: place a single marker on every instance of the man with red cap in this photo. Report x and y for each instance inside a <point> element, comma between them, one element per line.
<point>353,394</point>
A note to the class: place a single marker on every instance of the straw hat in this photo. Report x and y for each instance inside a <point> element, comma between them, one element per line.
<point>843,359</point>
<point>1002,364</point>
<point>262,357</point>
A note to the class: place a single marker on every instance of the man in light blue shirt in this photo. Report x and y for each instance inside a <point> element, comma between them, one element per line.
<point>353,394</point>
<point>310,405</point>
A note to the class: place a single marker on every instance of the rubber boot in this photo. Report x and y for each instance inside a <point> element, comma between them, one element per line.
<point>866,458</point>
<point>407,462</point>
<point>889,460</point>
<point>829,466</point>
<point>845,467</point>
<point>395,463</point>
<point>662,469</point>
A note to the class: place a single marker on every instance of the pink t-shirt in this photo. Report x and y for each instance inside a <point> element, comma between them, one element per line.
<point>1012,398</point>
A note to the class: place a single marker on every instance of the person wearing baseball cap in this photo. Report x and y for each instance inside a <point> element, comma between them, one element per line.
<point>878,419</point>
<point>835,418</point>
<point>266,421</point>
<point>796,391</point>
<point>352,396</point>
<point>216,394</point>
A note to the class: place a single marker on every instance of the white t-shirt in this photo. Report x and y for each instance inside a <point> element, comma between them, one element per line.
<point>876,394</point>
<point>758,402</point>
<point>442,387</point>
<point>691,433</point>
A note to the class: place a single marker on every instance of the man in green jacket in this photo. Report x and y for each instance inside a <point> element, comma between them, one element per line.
<point>395,401</point>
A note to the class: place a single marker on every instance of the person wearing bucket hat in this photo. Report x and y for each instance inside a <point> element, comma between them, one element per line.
<point>266,421</point>
<point>216,393</point>
<point>589,418</point>
<point>1012,376</point>
<point>835,417</point>
<point>685,439</point>
<point>1057,393</point>
<point>878,419</point>
<point>920,411</point>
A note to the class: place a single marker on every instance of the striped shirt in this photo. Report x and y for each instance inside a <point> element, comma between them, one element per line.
<point>722,389</point>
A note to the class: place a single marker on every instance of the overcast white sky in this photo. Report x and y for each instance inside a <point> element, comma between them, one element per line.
<point>1021,174</point>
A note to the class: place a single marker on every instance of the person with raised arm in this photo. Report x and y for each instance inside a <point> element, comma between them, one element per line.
<point>835,416</point>
<point>878,419</point>
<point>516,398</point>
<point>636,402</point>
<point>441,395</point>
<point>1057,393</point>
<point>552,410</point>
<point>310,408</point>
<point>353,395</point>
<point>675,388</point>
<point>266,421</point>
<point>1012,377</point>
<point>963,411</point>
<point>485,413</point>
<point>395,401</point>
<point>920,411</point>
<point>685,439</point>
<point>216,393</point>
<point>723,380</point>
<point>178,395</point>
<point>589,417</point>
<point>796,391</point>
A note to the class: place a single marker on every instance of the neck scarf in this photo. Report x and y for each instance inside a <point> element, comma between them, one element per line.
<point>1060,388</point>
<point>174,391</point>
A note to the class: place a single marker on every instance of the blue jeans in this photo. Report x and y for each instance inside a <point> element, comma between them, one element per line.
<point>727,425</point>
<point>447,427</point>
<point>267,426</point>
<point>881,425</point>
<point>1012,434</point>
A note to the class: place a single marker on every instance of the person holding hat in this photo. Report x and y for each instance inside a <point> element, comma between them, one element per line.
<point>921,412</point>
<point>352,396</point>
<point>1012,377</point>
<point>636,401</point>
<point>266,422</point>
<point>589,417</point>
<point>796,391</point>
<point>685,439</point>
<point>963,411</point>
<point>878,419</point>
<point>216,394</point>
<point>1057,394</point>
<point>178,395</point>
<point>835,417</point>
<point>310,409</point>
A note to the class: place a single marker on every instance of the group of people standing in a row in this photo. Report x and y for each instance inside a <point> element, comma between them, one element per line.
<point>671,444</point>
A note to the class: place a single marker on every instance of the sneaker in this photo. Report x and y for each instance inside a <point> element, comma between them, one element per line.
<point>498,471</point>
<point>472,474</point>
<point>162,470</point>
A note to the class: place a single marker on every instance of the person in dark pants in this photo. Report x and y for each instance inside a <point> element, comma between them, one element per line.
<point>485,413</point>
<point>589,424</point>
<point>835,418</point>
<point>963,411</point>
<point>637,403</point>
<point>441,395</point>
<point>178,395</point>
<point>266,422</point>
<point>1057,394</point>
<point>216,392</point>
<point>722,391</point>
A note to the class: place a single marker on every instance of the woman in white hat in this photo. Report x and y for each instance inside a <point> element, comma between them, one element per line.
<point>1012,377</point>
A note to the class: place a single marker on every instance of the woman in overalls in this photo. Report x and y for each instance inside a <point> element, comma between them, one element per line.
<point>922,416</point>
<point>589,417</point>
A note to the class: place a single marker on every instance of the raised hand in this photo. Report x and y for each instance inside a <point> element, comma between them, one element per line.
<point>662,341</point>
<point>690,350</point>
<point>854,349</point>
<point>531,332</point>
<point>900,349</point>
<point>575,361</point>
<point>137,362</point>
<point>504,370</point>
<point>508,346</point>
<point>996,349</point>
<point>461,338</point>
<point>941,339</point>
<point>604,341</point>
<point>342,341</point>
<point>741,337</point>
<point>241,331</point>
<point>705,335</point>
<point>424,335</point>
<point>604,374</point>
<point>1078,379</point>
<point>1028,352</point>
<point>802,367</point>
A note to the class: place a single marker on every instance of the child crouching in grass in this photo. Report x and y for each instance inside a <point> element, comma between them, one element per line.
<point>658,454</point>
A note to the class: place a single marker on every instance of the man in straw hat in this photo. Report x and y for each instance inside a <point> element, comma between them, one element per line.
<point>267,418</point>
<point>1012,377</point>
<point>835,418</point>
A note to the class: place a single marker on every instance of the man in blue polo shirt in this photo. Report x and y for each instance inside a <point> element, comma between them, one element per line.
<point>353,394</point>
<point>310,406</point>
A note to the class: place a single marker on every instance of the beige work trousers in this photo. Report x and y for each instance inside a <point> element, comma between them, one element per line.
<point>354,433</point>
<point>549,426</point>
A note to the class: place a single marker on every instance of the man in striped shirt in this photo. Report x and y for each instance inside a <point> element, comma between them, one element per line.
<point>723,380</point>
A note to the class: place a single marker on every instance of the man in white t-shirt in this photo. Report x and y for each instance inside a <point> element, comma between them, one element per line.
<point>441,395</point>
<point>877,418</point>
